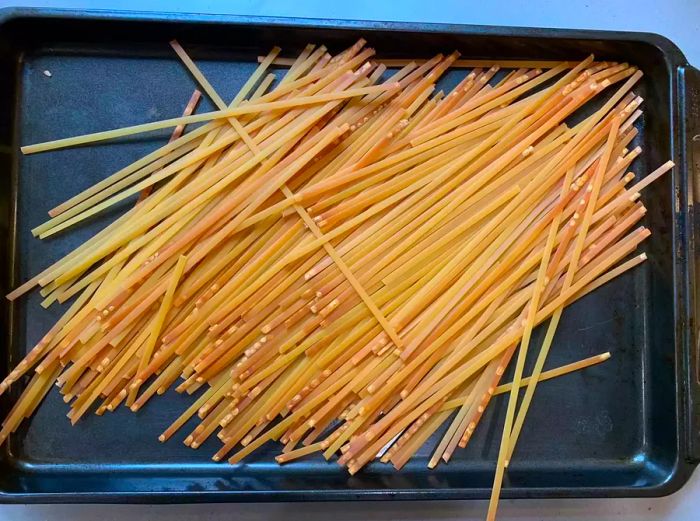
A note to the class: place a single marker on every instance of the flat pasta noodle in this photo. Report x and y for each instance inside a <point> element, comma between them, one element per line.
<point>343,258</point>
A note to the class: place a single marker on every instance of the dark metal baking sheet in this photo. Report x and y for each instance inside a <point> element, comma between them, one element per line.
<point>624,428</point>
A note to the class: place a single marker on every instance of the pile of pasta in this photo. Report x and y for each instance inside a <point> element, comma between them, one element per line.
<point>344,257</point>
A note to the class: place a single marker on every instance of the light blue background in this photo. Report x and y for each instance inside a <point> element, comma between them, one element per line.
<point>678,20</point>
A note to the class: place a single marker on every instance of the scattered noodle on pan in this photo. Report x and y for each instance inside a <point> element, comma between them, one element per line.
<point>344,255</point>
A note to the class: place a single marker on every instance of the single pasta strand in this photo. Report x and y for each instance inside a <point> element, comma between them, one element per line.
<point>187,120</point>
<point>157,324</point>
<point>177,132</point>
<point>544,376</point>
<point>460,63</point>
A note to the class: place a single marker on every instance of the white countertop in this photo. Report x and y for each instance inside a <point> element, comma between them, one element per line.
<point>678,20</point>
